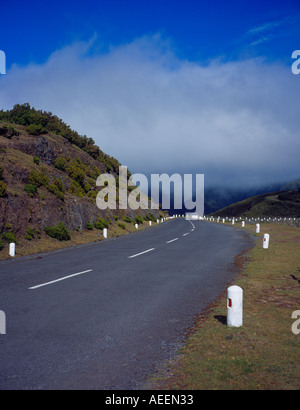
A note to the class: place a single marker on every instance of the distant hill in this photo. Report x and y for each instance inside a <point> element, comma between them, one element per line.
<point>48,177</point>
<point>291,186</point>
<point>221,197</point>
<point>272,204</point>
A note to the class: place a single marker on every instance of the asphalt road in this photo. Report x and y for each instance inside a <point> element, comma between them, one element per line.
<point>106,315</point>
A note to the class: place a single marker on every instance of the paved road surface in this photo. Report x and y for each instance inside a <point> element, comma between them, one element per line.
<point>105,315</point>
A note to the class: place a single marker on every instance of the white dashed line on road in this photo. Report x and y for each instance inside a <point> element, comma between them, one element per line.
<point>141,253</point>
<point>172,240</point>
<point>60,279</point>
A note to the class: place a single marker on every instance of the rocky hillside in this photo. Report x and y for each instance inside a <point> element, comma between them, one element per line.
<point>48,178</point>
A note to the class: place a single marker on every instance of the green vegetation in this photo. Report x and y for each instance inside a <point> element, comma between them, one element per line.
<point>59,232</point>
<point>54,189</point>
<point>77,171</point>
<point>101,223</point>
<point>57,188</point>
<point>8,131</point>
<point>34,129</point>
<point>30,189</point>
<point>150,217</point>
<point>138,220</point>
<point>9,237</point>
<point>127,219</point>
<point>121,225</point>
<point>3,189</point>
<point>36,160</point>
<point>60,163</point>
<point>89,226</point>
<point>39,178</point>
<point>30,234</point>
<point>76,189</point>
<point>38,122</point>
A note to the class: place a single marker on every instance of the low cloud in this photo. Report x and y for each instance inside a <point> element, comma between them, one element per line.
<point>236,122</point>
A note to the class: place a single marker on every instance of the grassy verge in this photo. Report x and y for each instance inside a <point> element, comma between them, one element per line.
<point>47,244</point>
<point>264,353</point>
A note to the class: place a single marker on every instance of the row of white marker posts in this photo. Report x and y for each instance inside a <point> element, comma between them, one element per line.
<point>12,246</point>
<point>266,238</point>
<point>235,293</point>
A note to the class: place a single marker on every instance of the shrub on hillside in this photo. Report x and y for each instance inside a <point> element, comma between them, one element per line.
<point>56,191</point>
<point>30,189</point>
<point>36,160</point>
<point>76,189</point>
<point>8,131</point>
<point>60,163</point>
<point>104,222</point>
<point>127,219</point>
<point>30,234</point>
<point>150,217</point>
<point>77,171</point>
<point>2,189</point>
<point>36,130</point>
<point>9,237</point>
<point>59,232</point>
<point>138,220</point>
<point>89,226</point>
<point>39,178</point>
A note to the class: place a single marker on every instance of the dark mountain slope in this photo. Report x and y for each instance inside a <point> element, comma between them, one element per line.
<point>273,204</point>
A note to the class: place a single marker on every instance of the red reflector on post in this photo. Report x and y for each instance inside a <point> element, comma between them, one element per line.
<point>229,303</point>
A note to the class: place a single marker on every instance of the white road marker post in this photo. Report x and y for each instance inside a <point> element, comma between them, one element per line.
<point>12,249</point>
<point>105,233</point>
<point>243,224</point>
<point>266,241</point>
<point>234,306</point>
<point>257,229</point>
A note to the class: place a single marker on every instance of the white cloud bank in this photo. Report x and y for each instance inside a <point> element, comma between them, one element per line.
<point>236,122</point>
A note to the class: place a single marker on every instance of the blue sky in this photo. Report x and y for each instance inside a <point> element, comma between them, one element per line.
<point>165,86</point>
<point>196,30</point>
